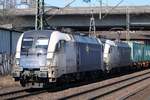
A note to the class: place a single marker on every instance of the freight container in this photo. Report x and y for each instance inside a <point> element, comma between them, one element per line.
<point>146,52</point>
<point>137,52</point>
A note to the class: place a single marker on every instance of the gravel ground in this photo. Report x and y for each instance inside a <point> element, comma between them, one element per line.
<point>119,95</point>
<point>7,81</point>
<point>142,95</point>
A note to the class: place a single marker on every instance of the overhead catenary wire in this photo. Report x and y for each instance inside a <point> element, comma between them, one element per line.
<point>59,9</point>
<point>56,11</point>
<point>41,20</point>
<point>121,1</point>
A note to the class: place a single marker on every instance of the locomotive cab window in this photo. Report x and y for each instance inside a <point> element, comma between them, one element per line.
<point>33,46</point>
<point>26,44</point>
<point>60,45</point>
<point>42,42</point>
<point>110,50</point>
<point>42,45</point>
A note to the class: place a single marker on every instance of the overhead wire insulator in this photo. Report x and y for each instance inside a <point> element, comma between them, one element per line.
<point>100,12</point>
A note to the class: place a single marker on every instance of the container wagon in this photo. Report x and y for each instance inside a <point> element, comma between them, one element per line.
<point>140,54</point>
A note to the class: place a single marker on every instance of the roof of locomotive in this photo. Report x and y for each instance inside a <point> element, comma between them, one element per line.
<point>117,43</point>
<point>74,37</point>
<point>39,33</point>
<point>86,39</point>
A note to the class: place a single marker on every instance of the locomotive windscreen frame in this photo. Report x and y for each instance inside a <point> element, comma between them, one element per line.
<point>34,49</point>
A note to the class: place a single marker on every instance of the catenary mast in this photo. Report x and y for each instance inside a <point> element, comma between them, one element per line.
<point>39,20</point>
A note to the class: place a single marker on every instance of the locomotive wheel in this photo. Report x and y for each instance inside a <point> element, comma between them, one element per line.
<point>23,83</point>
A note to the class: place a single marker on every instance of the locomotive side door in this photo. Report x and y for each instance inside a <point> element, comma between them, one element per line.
<point>60,58</point>
<point>70,53</point>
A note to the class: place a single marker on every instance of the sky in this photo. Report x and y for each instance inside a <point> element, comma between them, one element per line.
<point>78,3</point>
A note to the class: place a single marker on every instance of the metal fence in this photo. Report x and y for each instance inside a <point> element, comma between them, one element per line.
<point>6,63</point>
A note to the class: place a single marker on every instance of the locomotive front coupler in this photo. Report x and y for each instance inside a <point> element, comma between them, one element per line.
<point>29,76</point>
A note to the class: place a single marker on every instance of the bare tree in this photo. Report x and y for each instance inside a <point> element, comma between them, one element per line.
<point>31,3</point>
<point>9,4</point>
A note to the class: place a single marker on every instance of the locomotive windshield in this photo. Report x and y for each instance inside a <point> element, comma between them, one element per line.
<point>26,44</point>
<point>34,46</point>
<point>42,43</point>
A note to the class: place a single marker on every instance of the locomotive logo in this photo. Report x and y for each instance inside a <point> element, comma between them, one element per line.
<point>87,48</point>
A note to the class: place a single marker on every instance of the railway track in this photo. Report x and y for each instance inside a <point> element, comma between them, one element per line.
<point>121,87</point>
<point>113,89</point>
<point>20,93</point>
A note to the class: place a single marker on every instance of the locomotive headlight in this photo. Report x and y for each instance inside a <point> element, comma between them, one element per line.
<point>48,62</point>
<point>43,68</point>
<point>18,69</point>
<point>17,61</point>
